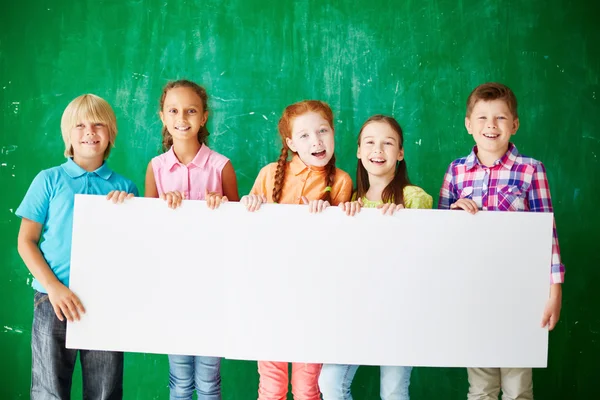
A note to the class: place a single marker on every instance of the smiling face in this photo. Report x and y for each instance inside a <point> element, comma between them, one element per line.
<point>380,149</point>
<point>312,139</point>
<point>183,113</point>
<point>491,123</point>
<point>89,141</point>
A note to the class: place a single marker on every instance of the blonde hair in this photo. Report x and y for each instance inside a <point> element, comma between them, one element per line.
<point>91,108</point>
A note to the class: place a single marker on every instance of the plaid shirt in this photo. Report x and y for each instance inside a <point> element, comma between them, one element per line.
<point>513,183</point>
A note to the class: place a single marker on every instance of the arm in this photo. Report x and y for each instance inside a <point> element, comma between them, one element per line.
<point>415,197</point>
<point>447,197</point>
<point>258,193</point>
<point>230,188</point>
<point>539,200</point>
<point>150,185</point>
<point>344,191</point>
<point>449,200</point>
<point>63,300</point>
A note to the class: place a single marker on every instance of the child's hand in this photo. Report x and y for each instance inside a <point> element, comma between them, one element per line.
<point>118,196</point>
<point>253,201</point>
<point>214,200</point>
<point>315,206</point>
<point>390,208</point>
<point>465,204</point>
<point>351,207</point>
<point>553,306</point>
<point>173,199</point>
<point>64,302</point>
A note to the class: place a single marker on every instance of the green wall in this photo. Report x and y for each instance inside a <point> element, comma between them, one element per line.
<point>417,60</point>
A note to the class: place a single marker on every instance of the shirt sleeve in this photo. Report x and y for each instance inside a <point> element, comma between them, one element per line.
<point>260,184</point>
<point>538,197</point>
<point>415,197</point>
<point>447,196</point>
<point>36,202</point>
<point>133,189</point>
<point>343,192</point>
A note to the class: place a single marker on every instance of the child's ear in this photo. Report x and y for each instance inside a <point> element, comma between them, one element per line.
<point>401,154</point>
<point>160,113</point>
<point>204,118</point>
<point>358,152</point>
<point>290,144</point>
<point>468,125</point>
<point>516,124</point>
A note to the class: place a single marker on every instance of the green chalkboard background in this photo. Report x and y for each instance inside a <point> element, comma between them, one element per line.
<point>417,60</point>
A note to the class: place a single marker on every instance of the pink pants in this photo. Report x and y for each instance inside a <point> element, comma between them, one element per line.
<point>273,383</point>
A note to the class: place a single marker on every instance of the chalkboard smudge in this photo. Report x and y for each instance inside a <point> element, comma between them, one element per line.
<point>9,329</point>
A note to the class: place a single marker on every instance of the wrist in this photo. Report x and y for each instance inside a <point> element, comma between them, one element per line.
<point>556,290</point>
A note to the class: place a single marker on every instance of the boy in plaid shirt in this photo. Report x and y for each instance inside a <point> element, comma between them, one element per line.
<point>495,177</point>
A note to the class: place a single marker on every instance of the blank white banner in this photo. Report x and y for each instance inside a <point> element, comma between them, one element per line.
<point>421,288</point>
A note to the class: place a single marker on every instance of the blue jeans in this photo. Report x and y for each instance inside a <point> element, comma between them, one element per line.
<point>52,363</point>
<point>189,372</point>
<point>336,379</point>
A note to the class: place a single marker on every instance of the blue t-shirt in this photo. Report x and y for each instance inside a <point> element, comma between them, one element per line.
<point>49,201</point>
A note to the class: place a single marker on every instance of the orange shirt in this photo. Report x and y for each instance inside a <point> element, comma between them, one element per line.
<point>301,180</point>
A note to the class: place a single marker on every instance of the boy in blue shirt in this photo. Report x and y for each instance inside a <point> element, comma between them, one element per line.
<point>89,130</point>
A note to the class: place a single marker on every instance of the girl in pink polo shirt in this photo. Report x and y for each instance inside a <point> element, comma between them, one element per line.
<point>188,169</point>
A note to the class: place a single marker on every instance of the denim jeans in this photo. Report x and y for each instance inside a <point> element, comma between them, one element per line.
<point>52,363</point>
<point>336,379</point>
<point>189,372</point>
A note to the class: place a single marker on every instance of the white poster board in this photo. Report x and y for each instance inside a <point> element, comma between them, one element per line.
<point>421,288</point>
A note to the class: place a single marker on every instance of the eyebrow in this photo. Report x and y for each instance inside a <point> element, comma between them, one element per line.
<point>388,137</point>
<point>320,126</point>
<point>192,105</point>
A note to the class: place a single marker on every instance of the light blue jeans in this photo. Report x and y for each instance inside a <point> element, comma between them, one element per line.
<point>336,379</point>
<point>189,372</point>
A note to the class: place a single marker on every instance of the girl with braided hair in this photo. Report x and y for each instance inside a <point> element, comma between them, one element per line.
<point>310,177</point>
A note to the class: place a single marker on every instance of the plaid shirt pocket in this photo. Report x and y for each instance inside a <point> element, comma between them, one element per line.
<point>511,198</point>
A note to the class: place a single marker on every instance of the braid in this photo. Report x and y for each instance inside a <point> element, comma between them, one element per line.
<point>330,171</point>
<point>280,174</point>
<point>167,141</point>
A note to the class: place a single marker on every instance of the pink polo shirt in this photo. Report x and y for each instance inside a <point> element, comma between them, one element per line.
<point>202,173</point>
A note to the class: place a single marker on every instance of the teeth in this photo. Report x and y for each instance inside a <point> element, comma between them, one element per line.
<point>377,160</point>
<point>182,128</point>
<point>487,135</point>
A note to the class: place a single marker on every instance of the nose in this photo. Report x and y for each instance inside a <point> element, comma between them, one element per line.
<point>89,129</point>
<point>492,123</point>
<point>316,140</point>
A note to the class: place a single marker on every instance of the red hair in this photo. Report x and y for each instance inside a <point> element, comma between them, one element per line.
<point>285,132</point>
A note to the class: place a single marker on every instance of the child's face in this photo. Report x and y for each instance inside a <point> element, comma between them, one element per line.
<point>312,139</point>
<point>379,149</point>
<point>492,124</point>
<point>89,141</point>
<point>183,114</point>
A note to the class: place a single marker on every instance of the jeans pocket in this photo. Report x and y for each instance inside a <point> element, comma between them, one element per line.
<point>39,298</point>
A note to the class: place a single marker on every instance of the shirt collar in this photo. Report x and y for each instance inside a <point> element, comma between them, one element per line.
<point>199,160</point>
<point>506,161</point>
<point>297,166</point>
<point>75,171</point>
